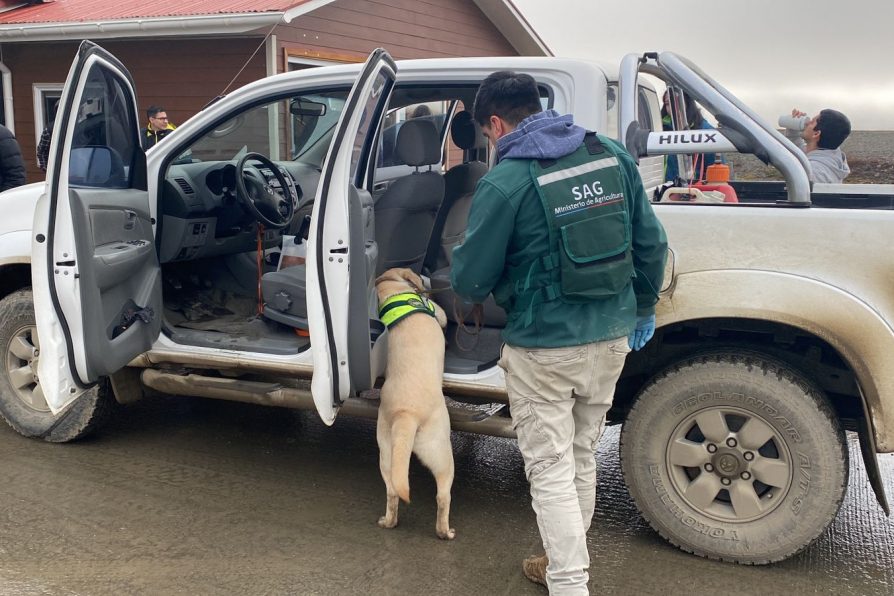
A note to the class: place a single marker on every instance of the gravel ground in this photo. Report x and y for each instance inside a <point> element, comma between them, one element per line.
<point>870,155</point>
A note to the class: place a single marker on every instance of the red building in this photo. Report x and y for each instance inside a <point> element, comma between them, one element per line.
<point>184,53</point>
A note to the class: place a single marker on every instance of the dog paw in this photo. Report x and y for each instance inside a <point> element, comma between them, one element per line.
<point>384,522</point>
<point>450,534</point>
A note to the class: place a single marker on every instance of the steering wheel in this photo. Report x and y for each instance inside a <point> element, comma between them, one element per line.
<point>259,196</point>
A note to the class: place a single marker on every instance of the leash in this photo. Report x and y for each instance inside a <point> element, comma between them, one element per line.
<point>261,267</point>
<point>476,314</point>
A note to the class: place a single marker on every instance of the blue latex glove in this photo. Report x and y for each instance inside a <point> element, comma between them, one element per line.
<point>645,329</point>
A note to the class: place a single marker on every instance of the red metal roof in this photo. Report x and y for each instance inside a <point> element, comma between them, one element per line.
<point>70,11</point>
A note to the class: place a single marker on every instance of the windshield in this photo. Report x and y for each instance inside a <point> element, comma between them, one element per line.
<point>296,128</point>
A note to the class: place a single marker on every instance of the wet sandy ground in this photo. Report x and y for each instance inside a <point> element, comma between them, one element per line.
<point>199,497</point>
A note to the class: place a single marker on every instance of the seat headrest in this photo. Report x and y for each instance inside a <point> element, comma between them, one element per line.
<point>466,133</point>
<point>418,143</point>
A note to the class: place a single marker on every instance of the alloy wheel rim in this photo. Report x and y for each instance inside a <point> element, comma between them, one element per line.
<point>22,354</point>
<point>729,464</point>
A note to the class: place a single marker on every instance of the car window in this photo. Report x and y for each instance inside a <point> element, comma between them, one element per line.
<point>368,117</point>
<point>546,97</point>
<point>292,128</point>
<point>611,111</point>
<point>309,126</point>
<point>105,143</point>
<point>646,116</point>
<point>433,111</point>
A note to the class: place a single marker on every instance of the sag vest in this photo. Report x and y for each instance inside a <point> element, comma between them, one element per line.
<point>589,229</point>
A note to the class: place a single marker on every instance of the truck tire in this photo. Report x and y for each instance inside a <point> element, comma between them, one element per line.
<point>22,404</point>
<point>734,457</point>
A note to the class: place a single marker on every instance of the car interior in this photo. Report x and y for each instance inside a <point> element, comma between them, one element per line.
<point>230,200</point>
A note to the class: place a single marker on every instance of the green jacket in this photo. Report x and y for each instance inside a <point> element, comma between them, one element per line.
<point>507,228</point>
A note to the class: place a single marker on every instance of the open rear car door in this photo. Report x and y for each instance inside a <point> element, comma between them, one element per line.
<point>341,254</point>
<point>96,277</point>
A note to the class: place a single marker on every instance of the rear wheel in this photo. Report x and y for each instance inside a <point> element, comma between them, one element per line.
<point>735,457</point>
<point>22,403</point>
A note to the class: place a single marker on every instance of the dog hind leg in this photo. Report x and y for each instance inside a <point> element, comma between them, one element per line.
<point>436,454</point>
<point>383,438</point>
<point>403,436</point>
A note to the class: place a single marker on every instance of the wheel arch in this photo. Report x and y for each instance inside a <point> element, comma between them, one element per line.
<point>830,336</point>
<point>788,306</point>
<point>14,276</point>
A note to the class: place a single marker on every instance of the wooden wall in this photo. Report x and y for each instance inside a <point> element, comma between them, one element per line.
<point>184,75</point>
<point>348,30</point>
<point>180,75</point>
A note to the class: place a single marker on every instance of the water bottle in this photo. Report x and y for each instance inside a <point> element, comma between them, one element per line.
<point>797,123</point>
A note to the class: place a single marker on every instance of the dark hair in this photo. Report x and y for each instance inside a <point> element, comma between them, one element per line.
<point>511,96</point>
<point>833,127</point>
<point>694,116</point>
<point>151,111</point>
<point>420,111</point>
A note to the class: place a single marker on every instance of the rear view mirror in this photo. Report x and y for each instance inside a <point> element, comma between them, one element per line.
<point>305,107</point>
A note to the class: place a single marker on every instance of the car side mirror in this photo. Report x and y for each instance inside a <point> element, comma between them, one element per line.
<point>98,165</point>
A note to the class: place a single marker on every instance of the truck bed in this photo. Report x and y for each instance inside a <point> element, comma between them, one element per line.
<point>835,196</point>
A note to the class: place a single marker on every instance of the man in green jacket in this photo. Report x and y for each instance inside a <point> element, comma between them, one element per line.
<point>563,235</point>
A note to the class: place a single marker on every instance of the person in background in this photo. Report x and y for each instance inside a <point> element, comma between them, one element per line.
<point>694,120</point>
<point>43,147</point>
<point>569,328</point>
<point>43,144</point>
<point>159,127</point>
<point>421,111</point>
<point>12,166</point>
<point>820,140</point>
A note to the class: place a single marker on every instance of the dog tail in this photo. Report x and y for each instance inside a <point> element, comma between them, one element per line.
<point>403,435</point>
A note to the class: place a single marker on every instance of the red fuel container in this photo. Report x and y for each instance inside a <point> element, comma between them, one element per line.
<point>728,191</point>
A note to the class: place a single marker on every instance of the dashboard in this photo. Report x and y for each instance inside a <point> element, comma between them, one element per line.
<point>201,215</point>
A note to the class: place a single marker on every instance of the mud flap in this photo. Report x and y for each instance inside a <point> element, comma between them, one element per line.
<point>870,461</point>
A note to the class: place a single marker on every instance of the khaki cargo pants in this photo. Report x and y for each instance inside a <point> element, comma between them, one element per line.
<point>558,399</point>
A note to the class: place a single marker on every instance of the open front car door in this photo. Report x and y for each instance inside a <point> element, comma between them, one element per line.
<point>341,254</point>
<point>96,278</point>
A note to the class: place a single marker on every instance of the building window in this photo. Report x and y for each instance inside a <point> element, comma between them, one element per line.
<point>7,118</point>
<point>296,63</point>
<point>46,102</point>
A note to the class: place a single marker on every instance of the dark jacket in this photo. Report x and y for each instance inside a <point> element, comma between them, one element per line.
<point>151,136</point>
<point>43,147</point>
<point>508,227</point>
<point>12,166</point>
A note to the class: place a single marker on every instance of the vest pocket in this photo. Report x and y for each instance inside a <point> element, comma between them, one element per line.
<point>594,257</point>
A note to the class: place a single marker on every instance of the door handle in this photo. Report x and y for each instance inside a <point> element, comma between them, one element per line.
<point>130,219</point>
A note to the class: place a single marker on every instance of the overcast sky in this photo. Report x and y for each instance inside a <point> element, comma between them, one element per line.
<point>773,54</point>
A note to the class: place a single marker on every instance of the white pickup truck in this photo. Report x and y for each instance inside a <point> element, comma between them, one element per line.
<point>142,270</point>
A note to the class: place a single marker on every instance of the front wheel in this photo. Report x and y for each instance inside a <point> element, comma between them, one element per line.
<point>735,457</point>
<point>22,403</point>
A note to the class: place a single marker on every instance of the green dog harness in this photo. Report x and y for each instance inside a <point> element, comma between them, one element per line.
<point>400,306</point>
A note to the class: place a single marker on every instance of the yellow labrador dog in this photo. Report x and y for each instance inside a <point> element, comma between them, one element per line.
<point>412,413</point>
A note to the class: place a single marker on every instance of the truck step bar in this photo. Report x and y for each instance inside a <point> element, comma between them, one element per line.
<point>481,421</point>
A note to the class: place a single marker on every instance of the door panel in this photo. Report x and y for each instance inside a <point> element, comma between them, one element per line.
<point>341,249</point>
<point>120,275</point>
<point>97,283</point>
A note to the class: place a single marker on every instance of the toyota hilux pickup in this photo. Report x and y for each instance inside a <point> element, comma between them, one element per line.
<point>129,271</point>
